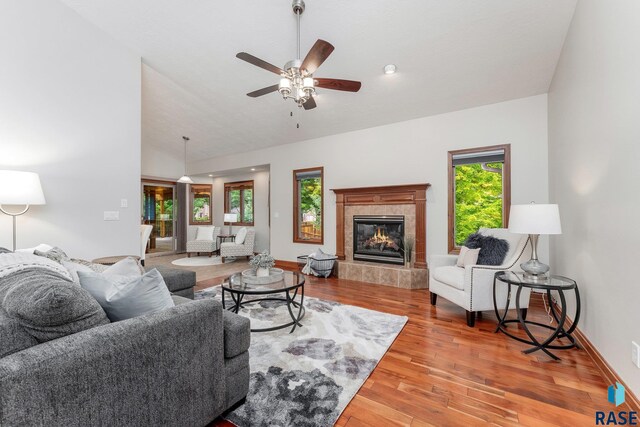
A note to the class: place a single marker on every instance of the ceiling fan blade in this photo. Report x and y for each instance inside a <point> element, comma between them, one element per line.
<point>310,104</point>
<point>337,84</point>
<point>259,63</point>
<point>319,52</point>
<point>263,91</point>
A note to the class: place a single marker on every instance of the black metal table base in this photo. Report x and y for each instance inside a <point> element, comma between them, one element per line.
<point>560,318</point>
<point>237,298</point>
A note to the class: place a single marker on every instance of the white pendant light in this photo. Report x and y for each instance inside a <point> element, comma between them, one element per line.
<point>185,179</point>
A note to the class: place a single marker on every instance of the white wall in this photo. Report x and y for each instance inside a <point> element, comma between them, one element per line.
<point>402,153</point>
<point>70,110</point>
<point>593,164</point>
<point>160,164</point>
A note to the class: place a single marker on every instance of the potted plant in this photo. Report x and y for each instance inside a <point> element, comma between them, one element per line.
<point>408,250</point>
<point>262,263</point>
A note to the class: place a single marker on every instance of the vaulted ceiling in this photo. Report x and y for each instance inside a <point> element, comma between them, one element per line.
<point>450,54</point>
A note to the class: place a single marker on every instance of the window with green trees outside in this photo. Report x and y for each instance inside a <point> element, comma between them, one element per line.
<point>238,199</point>
<point>479,193</point>
<point>308,205</point>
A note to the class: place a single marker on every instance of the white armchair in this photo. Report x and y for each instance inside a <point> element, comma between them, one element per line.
<point>239,247</point>
<point>471,287</point>
<point>206,241</point>
<point>145,233</point>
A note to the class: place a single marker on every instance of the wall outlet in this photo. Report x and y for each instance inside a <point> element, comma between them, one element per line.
<point>635,353</point>
<point>111,215</point>
<point>124,203</point>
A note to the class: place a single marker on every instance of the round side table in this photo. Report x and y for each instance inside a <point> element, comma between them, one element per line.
<point>553,283</point>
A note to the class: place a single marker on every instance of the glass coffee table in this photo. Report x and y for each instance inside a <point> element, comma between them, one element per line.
<point>285,290</point>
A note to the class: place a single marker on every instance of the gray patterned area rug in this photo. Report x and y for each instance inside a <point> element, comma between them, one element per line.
<point>308,377</point>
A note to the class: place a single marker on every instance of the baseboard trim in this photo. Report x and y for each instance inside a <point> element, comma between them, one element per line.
<point>287,265</point>
<point>631,400</point>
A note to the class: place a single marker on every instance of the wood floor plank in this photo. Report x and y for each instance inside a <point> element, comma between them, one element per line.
<point>439,372</point>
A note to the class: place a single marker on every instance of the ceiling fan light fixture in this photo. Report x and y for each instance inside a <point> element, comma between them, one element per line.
<point>390,69</point>
<point>284,87</point>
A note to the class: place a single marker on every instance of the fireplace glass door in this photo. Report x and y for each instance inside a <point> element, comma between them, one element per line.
<point>379,239</point>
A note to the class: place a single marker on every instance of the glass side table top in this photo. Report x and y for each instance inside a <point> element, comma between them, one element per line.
<point>235,283</point>
<point>552,282</point>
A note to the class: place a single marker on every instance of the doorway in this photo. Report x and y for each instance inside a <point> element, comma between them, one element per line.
<point>158,210</point>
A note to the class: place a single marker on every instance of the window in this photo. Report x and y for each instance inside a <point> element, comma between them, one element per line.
<point>308,205</point>
<point>238,199</point>
<point>479,191</point>
<point>200,204</point>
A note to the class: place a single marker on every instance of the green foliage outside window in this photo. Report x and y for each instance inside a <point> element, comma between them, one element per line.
<point>201,205</point>
<point>168,208</point>
<point>248,206</point>
<point>311,201</point>
<point>478,199</point>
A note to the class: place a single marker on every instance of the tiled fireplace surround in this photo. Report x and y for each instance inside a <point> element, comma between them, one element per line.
<point>392,200</point>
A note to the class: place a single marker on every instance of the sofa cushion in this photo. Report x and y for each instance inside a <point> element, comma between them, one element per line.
<point>177,280</point>
<point>502,233</point>
<point>55,254</point>
<point>492,249</point>
<point>205,232</point>
<point>241,235</point>
<point>129,267</point>
<point>237,334</point>
<point>47,305</point>
<point>125,297</point>
<point>467,257</point>
<point>450,275</point>
<point>13,262</point>
<point>13,336</point>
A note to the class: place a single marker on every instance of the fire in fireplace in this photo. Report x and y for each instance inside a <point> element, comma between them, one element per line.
<point>379,238</point>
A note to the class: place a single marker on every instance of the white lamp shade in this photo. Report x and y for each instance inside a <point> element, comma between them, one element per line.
<point>20,188</point>
<point>185,180</point>
<point>534,219</point>
<point>230,217</point>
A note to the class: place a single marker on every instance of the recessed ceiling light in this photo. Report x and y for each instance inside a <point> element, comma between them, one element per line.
<point>390,69</point>
<point>253,169</point>
<point>211,175</point>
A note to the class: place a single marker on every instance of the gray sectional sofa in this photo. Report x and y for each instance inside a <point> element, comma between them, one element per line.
<point>63,363</point>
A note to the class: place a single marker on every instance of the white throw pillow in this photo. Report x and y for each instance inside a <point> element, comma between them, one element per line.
<point>42,247</point>
<point>126,297</point>
<point>204,233</point>
<point>73,268</point>
<point>126,267</point>
<point>241,235</point>
<point>467,256</point>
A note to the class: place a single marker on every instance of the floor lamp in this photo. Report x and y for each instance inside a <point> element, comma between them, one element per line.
<point>230,218</point>
<point>22,189</point>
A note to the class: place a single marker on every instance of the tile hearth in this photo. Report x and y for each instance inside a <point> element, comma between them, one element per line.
<point>388,275</point>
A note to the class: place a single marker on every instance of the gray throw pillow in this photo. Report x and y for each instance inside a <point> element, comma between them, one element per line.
<point>492,250</point>
<point>47,305</point>
<point>56,254</point>
<point>13,337</point>
<point>124,297</point>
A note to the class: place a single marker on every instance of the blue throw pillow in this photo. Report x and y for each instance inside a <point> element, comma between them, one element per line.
<point>492,250</point>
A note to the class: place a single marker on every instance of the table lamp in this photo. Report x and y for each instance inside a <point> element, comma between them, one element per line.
<point>534,219</point>
<point>230,218</point>
<point>19,188</point>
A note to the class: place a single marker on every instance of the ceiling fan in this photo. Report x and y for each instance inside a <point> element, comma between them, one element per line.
<point>297,81</point>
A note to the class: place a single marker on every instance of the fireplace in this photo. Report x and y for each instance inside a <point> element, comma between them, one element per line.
<point>379,238</point>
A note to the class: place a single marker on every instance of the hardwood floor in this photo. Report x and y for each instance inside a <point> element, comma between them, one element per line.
<point>439,372</point>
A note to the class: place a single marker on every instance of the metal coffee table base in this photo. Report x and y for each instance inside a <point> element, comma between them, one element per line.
<point>292,306</point>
